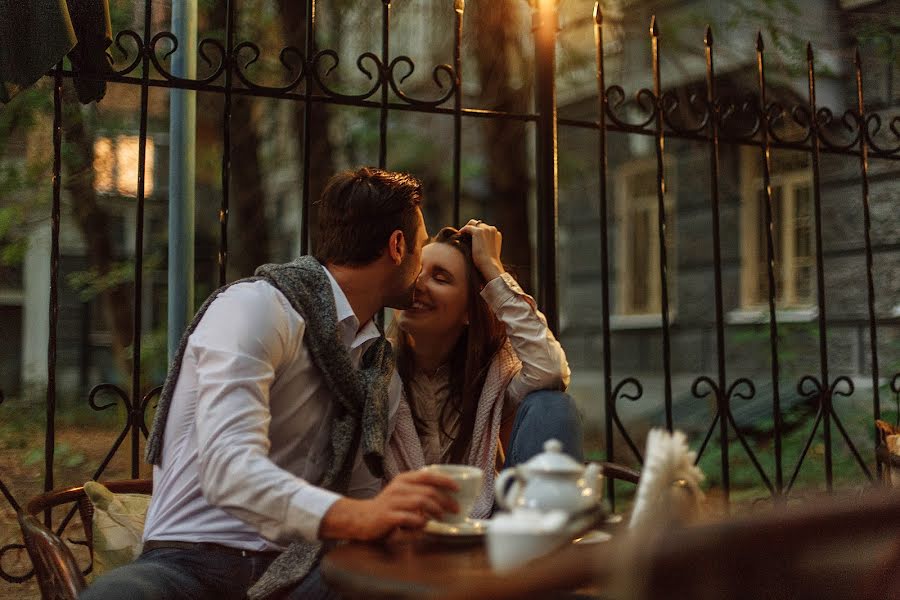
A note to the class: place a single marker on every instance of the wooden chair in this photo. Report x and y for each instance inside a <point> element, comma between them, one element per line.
<point>58,574</point>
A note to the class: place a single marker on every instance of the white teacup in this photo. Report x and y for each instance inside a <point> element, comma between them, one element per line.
<point>468,479</point>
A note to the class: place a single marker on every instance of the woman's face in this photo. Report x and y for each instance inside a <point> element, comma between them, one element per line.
<point>441,304</point>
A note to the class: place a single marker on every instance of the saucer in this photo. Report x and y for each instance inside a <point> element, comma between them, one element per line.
<point>467,528</point>
<point>593,537</point>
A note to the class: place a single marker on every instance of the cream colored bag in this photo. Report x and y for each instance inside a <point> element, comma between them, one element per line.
<point>118,526</point>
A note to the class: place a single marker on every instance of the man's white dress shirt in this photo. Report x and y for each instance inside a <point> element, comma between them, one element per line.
<point>248,427</point>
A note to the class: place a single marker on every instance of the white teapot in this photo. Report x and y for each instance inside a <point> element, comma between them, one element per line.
<point>552,480</point>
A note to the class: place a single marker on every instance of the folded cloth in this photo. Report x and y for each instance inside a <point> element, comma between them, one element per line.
<point>37,34</point>
<point>90,20</point>
<point>117,527</point>
<point>669,488</point>
<point>34,36</point>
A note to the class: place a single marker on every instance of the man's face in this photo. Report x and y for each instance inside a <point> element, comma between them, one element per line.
<point>403,284</point>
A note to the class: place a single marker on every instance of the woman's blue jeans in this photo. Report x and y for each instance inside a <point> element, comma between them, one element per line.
<point>545,415</point>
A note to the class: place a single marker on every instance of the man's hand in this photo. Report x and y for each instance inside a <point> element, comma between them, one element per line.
<point>486,243</point>
<point>408,501</point>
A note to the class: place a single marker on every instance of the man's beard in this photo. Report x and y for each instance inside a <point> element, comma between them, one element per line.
<point>402,301</point>
<point>401,294</point>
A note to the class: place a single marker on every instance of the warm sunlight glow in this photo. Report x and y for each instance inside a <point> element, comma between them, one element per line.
<point>116,165</point>
<point>104,165</point>
<point>127,163</point>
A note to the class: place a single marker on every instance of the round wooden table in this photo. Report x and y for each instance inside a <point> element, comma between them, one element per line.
<point>416,566</point>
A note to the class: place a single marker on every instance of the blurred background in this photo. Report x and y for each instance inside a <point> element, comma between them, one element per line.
<point>497,179</point>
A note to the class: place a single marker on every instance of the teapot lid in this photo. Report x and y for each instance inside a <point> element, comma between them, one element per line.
<point>553,459</point>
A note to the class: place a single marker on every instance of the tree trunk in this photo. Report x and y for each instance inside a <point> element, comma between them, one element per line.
<point>248,231</point>
<point>94,223</point>
<point>497,46</point>
<point>321,164</point>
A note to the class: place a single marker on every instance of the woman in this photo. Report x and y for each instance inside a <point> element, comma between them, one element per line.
<point>472,352</point>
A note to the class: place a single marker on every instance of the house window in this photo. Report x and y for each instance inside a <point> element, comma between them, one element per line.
<point>792,239</point>
<point>639,287</point>
<point>116,165</point>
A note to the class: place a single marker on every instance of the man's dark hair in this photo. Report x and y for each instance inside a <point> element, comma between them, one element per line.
<point>358,212</point>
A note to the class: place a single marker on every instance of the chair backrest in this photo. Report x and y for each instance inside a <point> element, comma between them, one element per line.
<point>620,472</point>
<point>835,548</point>
<point>55,567</point>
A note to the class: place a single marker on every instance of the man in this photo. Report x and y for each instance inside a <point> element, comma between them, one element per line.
<point>272,424</point>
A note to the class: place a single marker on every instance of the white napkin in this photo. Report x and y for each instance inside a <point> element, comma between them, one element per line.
<point>669,487</point>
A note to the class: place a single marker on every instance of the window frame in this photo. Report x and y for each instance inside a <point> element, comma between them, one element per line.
<point>626,206</point>
<point>753,256</point>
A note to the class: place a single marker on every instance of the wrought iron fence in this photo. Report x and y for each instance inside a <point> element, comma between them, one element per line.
<point>751,121</point>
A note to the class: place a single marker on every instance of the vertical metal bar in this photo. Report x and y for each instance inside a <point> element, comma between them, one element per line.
<point>385,57</point>
<point>226,142</point>
<point>712,107</point>
<point>820,267</point>
<point>770,263</point>
<point>50,429</point>
<point>867,230</point>
<point>136,414</point>
<point>307,123</point>
<point>459,7</point>
<point>182,167</point>
<point>546,26</point>
<point>604,250</point>
<point>661,210</point>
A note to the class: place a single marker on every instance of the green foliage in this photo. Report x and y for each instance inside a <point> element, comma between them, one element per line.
<point>754,340</point>
<point>154,356</point>
<point>91,283</point>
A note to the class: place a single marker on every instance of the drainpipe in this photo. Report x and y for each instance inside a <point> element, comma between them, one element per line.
<point>182,161</point>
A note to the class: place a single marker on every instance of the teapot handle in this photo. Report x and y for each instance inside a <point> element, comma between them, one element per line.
<point>506,490</point>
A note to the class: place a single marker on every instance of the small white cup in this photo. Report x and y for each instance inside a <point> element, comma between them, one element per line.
<point>468,479</point>
<point>514,539</point>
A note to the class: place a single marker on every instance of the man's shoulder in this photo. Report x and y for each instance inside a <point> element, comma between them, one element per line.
<point>255,304</point>
<point>257,293</point>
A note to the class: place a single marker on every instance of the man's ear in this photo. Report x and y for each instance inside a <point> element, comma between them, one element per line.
<point>397,247</point>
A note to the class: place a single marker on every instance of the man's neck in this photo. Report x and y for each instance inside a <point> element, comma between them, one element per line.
<point>357,284</point>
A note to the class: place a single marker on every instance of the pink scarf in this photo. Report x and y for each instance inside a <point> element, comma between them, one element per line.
<point>404,449</point>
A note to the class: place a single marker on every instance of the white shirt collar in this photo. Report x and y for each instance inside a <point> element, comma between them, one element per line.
<point>353,335</point>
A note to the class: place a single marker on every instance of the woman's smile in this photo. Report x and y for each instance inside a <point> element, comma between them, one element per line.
<point>441,294</point>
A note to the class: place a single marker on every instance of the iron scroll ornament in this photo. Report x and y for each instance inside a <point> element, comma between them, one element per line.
<point>741,388</point>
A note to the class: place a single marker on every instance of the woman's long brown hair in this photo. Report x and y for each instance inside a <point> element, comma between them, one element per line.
<point>470,359</point>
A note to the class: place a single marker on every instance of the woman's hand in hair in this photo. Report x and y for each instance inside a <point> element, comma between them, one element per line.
<point>486,244</point>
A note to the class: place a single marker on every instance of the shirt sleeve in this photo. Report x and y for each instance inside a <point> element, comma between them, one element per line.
<point>544,364</point>
<point>239,346</point>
